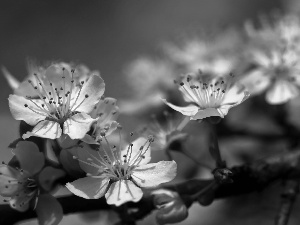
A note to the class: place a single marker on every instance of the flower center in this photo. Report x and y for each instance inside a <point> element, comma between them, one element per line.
<point>27,188</point>
<point>110,163</point>
<point>204,94</point>
<point>59,100</point>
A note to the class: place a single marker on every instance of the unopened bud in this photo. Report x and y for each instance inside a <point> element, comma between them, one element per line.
<point>222,175</point>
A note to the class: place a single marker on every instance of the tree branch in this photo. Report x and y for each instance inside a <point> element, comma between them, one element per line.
<point>247,178</point>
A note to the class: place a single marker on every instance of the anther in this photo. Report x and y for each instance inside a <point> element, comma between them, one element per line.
<point>181,83</point>
<point>131,133</point>
<point>86,96</point>
<point>26,105</point>
<point>150,138</point>
<point>188,78</point>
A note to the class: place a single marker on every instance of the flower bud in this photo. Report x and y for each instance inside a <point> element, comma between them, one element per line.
<point>171,208</point>
<point>222,175</point>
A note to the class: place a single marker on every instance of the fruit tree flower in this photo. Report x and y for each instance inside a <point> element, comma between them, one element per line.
<point>277,73</point>
<point>28,185</point>
<point>274,51</point>
<point>166,132</point>
<point>148,79</point>
<point>215,54</point>
<point>106,112</point>
<point>120,175</point>
<point>60,105</point>
<point>210,96</point>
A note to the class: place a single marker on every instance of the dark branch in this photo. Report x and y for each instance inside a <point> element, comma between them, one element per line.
<point>247,178</point>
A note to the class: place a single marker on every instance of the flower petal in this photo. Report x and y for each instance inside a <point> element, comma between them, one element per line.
<point>8,174</point>
<point>123,191</point>
<point>256,81</point>
<point>189,110</point>
<point>153,174</point>
<point>104,110</point>
<point>235,95</point>
<point>45,129</point>
<point>88,156</point>
<point>48,210</point>
<point>54,74</point>
<point>48,176</point>
<point>281,92</point>
<point>89,187</point>
<point>70,165</point>
<point>94,89</point>
<point>89,140</point>
<point>30,158</point>
<point>201,114</point>
<point>21,203</point>
<point>30,114</point>
<point>136,150</point>
<point>78,125</point>
<point>11,80</point>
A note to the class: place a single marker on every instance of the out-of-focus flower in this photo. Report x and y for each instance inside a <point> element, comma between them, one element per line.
<point>171,208</point>
<point>275,53</point>
<point>215,55</point>
<point>106,112</point>
<point>148,80</point>
<point>62,105</point>
<point>166,132</point>
<point>210,96</point>
<point>29,184</point>
<point>120,175</point>
<point>81,73</point>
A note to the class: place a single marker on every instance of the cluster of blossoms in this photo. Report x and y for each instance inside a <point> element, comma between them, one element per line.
<point>73,140</point>
<point>65,108</point>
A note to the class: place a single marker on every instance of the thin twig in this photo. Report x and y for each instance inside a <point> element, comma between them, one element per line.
<point>288,198</point>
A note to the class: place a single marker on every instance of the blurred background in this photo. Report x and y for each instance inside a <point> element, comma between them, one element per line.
<point>107,36</point>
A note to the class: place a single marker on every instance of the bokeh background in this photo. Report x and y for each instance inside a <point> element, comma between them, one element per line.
<point>108,35</point>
